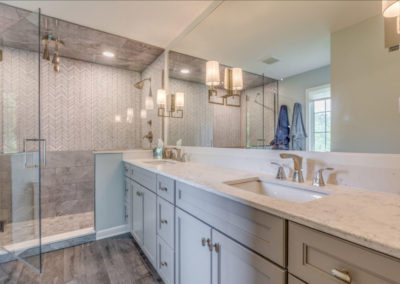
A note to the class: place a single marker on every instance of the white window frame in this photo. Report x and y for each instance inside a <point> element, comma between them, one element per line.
<point>309,111</point>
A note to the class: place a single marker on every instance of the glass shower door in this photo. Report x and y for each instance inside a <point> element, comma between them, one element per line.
<point>22,148</point>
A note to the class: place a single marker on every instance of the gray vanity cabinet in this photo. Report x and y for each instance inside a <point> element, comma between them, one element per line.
<point>234,264</point>
<point>144,211</point>
<point>316,258</point>
<point>192,250</point>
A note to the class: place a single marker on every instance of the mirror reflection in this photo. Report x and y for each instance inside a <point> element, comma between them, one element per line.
<point>325,80</point>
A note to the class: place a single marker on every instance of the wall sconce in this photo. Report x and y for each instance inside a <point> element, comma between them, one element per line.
<point>177,104</point>
<point>233,82</point>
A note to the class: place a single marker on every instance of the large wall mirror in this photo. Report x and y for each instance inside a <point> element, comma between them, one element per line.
<point>308,75</point>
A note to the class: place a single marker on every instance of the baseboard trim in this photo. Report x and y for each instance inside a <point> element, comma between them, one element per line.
<point>111,232</point>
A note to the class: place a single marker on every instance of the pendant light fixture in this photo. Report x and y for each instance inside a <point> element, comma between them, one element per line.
<point>390,8</point>
<point>149,104</point>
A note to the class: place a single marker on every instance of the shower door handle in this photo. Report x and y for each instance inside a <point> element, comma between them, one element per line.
<point>44,152</point>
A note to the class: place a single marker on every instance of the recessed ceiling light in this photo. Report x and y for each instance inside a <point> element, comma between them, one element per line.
<point>185,71</point>
<point>108,54</point>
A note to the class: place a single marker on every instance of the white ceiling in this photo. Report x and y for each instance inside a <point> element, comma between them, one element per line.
<point>154,22</point>
<point>241,33</point>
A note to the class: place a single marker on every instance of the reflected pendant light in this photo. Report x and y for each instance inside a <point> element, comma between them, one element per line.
<point>390,8</point>
<point>149,104</point>
<point>212,73</point>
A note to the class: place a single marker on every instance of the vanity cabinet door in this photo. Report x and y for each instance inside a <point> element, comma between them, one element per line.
<point>137,212</point>
<point>234,264</point>
<point>129,203</point>
<point>150,225</point>
<point>193,255</point>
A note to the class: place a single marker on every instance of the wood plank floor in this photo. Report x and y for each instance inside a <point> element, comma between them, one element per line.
<point>113,260</point>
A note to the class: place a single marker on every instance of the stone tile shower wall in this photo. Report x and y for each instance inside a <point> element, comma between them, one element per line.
<point>83,108</point>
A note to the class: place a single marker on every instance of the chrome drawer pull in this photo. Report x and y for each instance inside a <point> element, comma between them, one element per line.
<point>216,247</point>
<point>163,221</point>
<point>163,188</point>
<point>210,245</point>
<point>163,263</point>
<point>341,275</point>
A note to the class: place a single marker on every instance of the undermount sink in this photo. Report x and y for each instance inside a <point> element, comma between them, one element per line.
<point>159,162</point>
<point>289,192</point>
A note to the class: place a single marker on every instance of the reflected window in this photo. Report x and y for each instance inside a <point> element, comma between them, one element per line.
<point>319,118</point>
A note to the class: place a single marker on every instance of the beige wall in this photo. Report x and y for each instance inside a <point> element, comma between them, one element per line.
<point>365,90</point>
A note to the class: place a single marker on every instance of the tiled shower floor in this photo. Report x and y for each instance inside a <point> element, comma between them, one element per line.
<point>29,230</point>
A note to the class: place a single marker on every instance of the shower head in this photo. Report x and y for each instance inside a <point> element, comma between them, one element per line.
<point>139,85</point>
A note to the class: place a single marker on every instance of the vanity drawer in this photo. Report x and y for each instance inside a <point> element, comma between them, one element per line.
<point>314,256</point>
<point>166,221</point>
<point>145,178</point>
<point>253,228</point>
<point>166,188</point>
<point>166,265</point>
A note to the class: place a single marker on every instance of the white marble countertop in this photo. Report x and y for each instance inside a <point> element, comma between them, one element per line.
<point>370,219</point>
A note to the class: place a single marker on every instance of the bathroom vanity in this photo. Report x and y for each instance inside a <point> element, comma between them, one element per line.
<point>195,226</point>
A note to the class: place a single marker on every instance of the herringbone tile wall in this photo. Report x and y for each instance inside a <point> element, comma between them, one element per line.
<point>84,107</point>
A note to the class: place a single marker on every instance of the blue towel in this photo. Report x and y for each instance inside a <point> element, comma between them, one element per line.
<point>298,132</point>
<point>281,139</point>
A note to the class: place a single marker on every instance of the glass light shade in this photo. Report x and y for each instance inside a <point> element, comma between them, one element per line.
<point>149,104</point>
<point>212,73</point>
<point>227,79</point>
<point>143,114</point>
<point>237,79</point>
<point>161,97</point>
<point>390,8</point>
<point>179,99</point>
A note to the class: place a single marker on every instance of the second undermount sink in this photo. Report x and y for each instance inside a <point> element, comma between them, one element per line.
<point>160,162</point>
<point>289,192</point>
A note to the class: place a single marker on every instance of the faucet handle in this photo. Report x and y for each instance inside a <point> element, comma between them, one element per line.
<point>319,178</point>
<point>281,172</point>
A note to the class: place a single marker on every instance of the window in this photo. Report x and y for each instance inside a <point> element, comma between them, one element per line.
<point>319,118</point>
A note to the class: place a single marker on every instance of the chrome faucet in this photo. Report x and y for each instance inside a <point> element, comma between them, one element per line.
<point>281,172</point>
<point>174,153</point>
<point>298,166</point>
<point>319,178</point>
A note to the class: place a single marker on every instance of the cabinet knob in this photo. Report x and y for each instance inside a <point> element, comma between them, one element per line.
<point>163,263</point>
<point>163,221</point>
<point>341,275</point>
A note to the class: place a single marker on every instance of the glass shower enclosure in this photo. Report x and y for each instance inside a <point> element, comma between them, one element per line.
<point>22,153</point>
